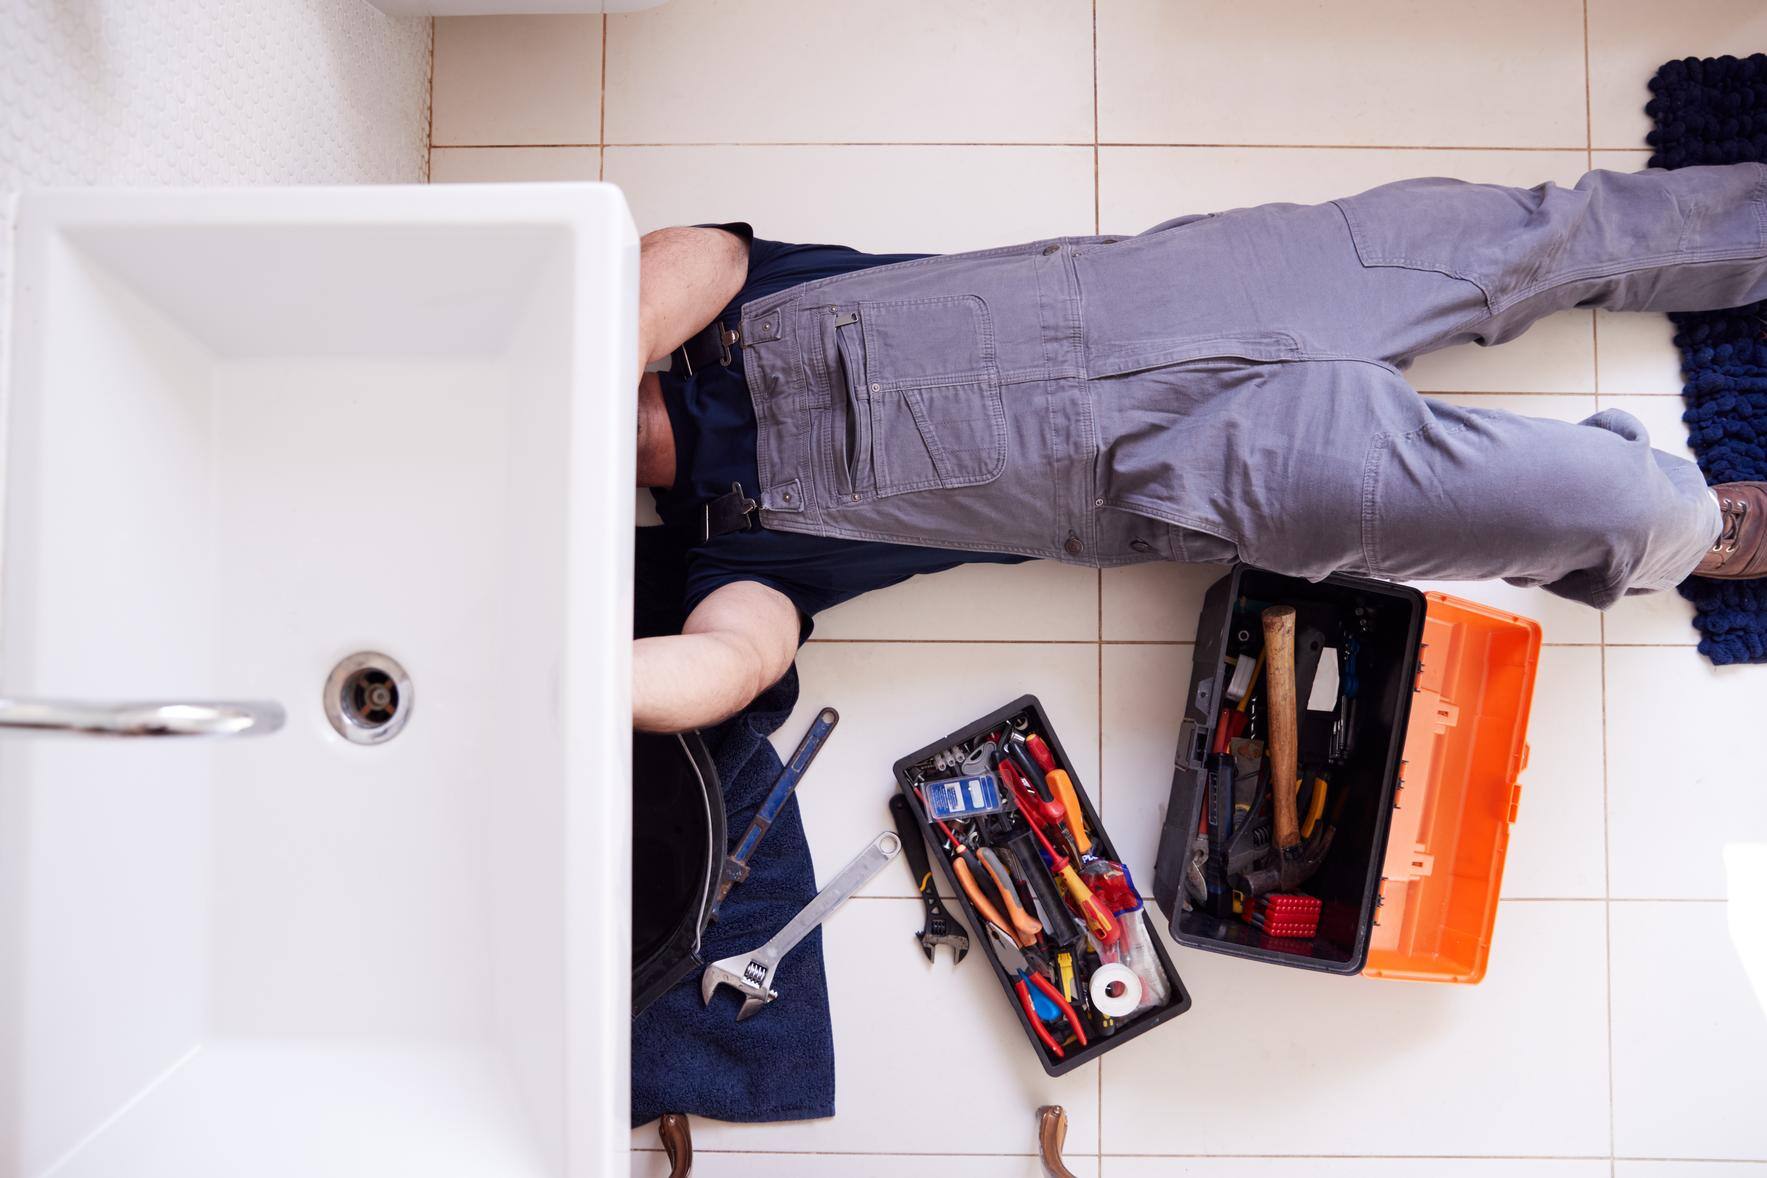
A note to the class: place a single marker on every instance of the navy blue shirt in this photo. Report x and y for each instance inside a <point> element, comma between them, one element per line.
<point>714,425</point>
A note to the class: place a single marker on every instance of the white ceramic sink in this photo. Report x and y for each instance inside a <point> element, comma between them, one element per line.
<point>251,432</point>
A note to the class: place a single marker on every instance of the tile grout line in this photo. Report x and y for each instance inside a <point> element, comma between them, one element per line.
<point>601,126</point>
<point>1589,166</point>
<point>1043,143</point>
<point>429,120</point>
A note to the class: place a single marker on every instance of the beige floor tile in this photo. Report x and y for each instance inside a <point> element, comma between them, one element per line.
<point>503,164</point>
<point>1681,1168</point>
<point>747,71</point>
<point>1042,600</point>
<point>1115,1167</point>
<point>895,697</point>
<point>1144,693</point>
<point>883,199</point>
<point>654,1164</point>
<point>1636,353</point>
<point>1689,1033</point>
<point>1379,72</point>
<point>1156,602</point>
<point>1526,1049</point>
<point>1684,780</point>
<point>1630,39</point>
<point>909,1039</point>
<point>1557,847</point>
<point>516,80</point>
<point>1142,186</point>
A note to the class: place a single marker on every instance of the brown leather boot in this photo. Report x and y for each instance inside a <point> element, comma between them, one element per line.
<point>1741,551</point>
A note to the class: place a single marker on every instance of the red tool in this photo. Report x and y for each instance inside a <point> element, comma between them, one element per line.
<point>1050,812</point>
<point>1024,977</point>
<point>1063,787</point>
<point>1098,917</point>
<point>1284,914</point>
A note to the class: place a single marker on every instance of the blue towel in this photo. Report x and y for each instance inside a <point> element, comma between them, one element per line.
<point>688,1058</point>
<point>1714,111</point>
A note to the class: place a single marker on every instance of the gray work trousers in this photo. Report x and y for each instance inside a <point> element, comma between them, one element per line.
<point>1229,386</point>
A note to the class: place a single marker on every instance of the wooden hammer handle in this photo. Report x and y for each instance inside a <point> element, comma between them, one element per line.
<point>1279,682</point>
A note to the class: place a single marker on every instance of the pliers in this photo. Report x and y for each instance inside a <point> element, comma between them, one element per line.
<point>1043,1003</point>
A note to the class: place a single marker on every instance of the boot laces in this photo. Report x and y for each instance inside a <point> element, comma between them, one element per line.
<point>1733,512</point>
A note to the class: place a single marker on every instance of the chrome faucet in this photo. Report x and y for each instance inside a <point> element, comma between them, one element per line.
<point>83,717</point>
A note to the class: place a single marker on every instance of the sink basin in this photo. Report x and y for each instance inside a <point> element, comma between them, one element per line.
<point>251,433</point>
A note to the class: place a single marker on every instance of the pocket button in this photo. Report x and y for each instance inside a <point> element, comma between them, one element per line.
<point>1141,545</point>
<point>1051,249</point>
<point>1073,545</point>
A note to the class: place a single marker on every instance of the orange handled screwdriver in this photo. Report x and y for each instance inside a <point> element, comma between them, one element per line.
<point>1098,917</point>
<point>1063,787</point>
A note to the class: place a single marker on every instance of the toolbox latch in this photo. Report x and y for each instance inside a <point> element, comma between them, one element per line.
<point>1515,801</point>
<point>1192,745</point>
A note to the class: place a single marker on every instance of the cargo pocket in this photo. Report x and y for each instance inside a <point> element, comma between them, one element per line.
<point>932,389</point>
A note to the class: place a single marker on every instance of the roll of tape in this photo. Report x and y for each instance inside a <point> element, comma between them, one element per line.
<point>1116,991</point>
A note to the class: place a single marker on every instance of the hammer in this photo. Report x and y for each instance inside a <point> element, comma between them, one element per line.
<point>1292,863</point>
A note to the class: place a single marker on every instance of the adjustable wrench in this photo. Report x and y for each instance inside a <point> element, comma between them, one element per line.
<point>939,928</point>
<point>752,972</point>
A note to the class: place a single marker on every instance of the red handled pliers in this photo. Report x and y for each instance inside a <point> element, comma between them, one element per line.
<point>1012,960</point>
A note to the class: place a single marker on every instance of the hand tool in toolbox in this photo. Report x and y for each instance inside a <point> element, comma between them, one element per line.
<point>1045,890</point>
<point>1352,821</point>
<point>736,864</point>
<point>752,973</point>
<point>939,926</point>
<point>1043,1003</point>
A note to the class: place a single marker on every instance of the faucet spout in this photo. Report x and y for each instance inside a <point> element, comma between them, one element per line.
<point>88,718</point>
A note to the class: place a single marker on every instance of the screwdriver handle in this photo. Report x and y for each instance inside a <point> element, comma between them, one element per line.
<point>1025,927</point>
<point>1098,918</point>
<point>1063,785</point>
<point>1040,752</point>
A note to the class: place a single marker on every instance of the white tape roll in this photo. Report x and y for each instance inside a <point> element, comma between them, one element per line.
<point>1116,991</point>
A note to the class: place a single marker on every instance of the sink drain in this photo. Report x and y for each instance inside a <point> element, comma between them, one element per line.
<point>368,698</point>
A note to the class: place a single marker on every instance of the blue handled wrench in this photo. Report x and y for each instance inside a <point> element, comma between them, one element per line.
<point>736,863</point>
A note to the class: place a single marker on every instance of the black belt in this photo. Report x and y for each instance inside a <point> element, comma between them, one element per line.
<point>712,346</point>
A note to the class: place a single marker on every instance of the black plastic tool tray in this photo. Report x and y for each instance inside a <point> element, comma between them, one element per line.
<point>1180,1000</point>
<point>1348,881</point>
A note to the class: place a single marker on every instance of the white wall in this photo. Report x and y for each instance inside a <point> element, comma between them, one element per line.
<point>206,92</point>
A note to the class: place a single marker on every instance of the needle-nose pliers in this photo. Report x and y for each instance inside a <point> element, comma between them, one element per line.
<point>1043,1003</point>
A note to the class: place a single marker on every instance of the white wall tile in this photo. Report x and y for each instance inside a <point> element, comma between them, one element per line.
<point>1043,600</point>
<point>1689,1034</point>
<point>1514,1066</point>
<point>1142,186</point>
<point>1558,847</point>
<point>928,1059</point>
<point>1484,73</point>
<point>449,165</point>
<point>1684,776</point>
<point>517,80</point>
<point>881,199</point>
<point>798,71</point>
<point>1630,39</point>
<point>895,697</point>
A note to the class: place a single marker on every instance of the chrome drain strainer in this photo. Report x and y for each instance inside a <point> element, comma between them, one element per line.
<point>368,697</point>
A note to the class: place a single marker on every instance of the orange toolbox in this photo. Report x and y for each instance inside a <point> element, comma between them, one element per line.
<point>1407,733</point>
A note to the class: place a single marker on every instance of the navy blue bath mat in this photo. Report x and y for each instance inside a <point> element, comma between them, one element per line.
<point>1714,111</point>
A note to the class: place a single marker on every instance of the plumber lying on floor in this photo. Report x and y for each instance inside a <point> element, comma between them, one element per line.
<point>1221,387</point>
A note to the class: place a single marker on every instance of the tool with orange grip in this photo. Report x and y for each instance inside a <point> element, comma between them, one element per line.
<point>1063,787</point>
<point>1098,917</point>
<point>966,877</point>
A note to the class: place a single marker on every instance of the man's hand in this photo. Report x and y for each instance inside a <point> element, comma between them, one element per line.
<point>685,277</point>
<point>735,645</point>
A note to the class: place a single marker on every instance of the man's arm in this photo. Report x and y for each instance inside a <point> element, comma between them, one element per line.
<point>735,645</point>
<point>685,276</point>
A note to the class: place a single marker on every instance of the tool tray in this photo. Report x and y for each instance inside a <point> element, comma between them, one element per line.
<point>1421,805</point>
<point>1178,998</point>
